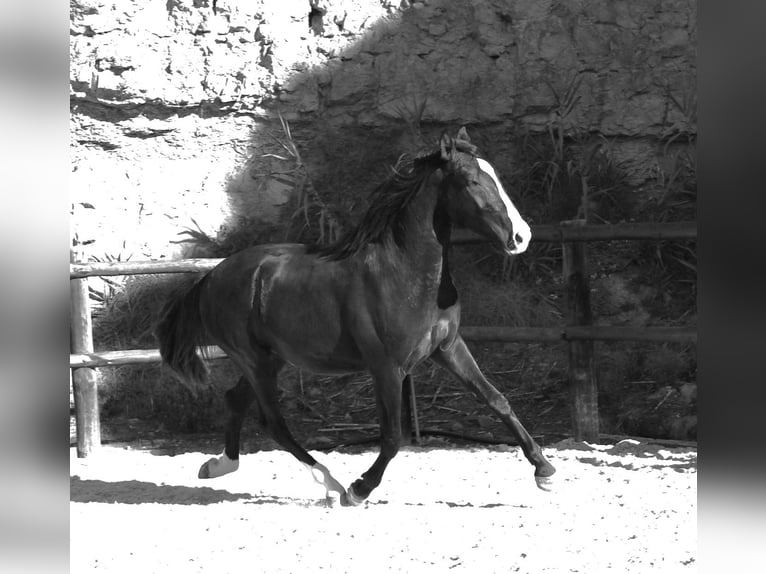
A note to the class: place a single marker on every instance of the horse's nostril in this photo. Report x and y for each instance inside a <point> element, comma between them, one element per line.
<point>517,237</point>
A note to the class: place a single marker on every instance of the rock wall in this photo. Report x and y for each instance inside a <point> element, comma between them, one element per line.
<point>174,105</point>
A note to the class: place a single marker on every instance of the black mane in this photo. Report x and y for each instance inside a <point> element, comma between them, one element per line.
<point>388,203</point>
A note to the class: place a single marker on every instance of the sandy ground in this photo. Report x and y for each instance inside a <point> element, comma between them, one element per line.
<point>629,507</point>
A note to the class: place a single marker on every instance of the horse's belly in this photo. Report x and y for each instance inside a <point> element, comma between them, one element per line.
<point>315,341</point>
<point>337,361</point>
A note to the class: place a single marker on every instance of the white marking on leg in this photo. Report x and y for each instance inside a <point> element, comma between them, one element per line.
<point>521,228</point>
<point>218,466</point>
<point>322,476</point>
<point>545,483</point>
<point>351,499</point>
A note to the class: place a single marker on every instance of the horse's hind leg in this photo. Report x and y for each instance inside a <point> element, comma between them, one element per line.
<point>264,370</point>
<point>459,361</point>
<point>238,400</point>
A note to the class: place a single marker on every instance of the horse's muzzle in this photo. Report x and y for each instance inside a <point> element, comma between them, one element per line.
<point>519,239</point>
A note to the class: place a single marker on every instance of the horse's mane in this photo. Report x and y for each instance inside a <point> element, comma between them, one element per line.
<point>388,204</point>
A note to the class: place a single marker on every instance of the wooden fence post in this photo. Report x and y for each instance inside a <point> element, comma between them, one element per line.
<point>84,379</point>
<point>582,377</point>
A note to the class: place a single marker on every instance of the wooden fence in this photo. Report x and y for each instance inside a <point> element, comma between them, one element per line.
<point>578,332</point>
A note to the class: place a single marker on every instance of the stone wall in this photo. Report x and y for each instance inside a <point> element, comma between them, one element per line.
<point>174,104</point>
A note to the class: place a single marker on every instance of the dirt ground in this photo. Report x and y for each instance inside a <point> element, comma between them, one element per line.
<point>625,507</point>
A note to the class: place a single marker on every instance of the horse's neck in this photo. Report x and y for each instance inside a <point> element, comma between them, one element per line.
<point>423,232</point>
<point>427,241</point>
<point>411,247</point>
<point>420,264</point>
<point>431,259</point>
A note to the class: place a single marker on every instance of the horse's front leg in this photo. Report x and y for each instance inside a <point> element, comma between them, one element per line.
<point>458,360</point>
<point>388,398</point>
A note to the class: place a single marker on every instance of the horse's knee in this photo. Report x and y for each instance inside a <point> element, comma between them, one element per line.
<point>500,404</point>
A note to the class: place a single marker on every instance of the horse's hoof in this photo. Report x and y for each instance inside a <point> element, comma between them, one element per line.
<point>546,483</point>
<point>349,498</point>
<point>204,470</point>
<point>218,466</point>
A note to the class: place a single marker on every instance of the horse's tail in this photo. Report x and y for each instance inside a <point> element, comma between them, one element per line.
<point>179,331</point>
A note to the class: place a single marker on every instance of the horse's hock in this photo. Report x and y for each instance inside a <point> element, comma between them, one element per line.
<point>174,104</point>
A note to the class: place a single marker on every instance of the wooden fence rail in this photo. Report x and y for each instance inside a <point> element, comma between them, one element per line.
<point>111,268</point>
<point>476,334</point>
<point>83,360</point>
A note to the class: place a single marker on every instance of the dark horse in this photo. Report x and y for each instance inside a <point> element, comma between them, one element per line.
<point>381,299</point>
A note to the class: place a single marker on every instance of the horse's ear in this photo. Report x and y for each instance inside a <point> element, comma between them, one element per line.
<point>446,145</point>
<point>462,135</point>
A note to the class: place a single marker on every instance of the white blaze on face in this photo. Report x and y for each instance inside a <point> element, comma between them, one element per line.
<point>521,231</point>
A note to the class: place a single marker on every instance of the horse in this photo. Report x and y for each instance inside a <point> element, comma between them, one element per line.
<point>380,299</point>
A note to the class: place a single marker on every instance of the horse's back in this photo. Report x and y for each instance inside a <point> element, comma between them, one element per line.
<point>250,258</point>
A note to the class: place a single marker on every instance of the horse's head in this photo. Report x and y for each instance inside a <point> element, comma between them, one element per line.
<point>475,198</point>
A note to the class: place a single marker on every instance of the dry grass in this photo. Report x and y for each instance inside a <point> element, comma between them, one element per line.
<point>127,319</point>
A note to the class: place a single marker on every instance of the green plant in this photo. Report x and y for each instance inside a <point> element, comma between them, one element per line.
<point>589,185</point>
<point>566,173</point>
<point>491,298</point>
<point>671,266</point>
